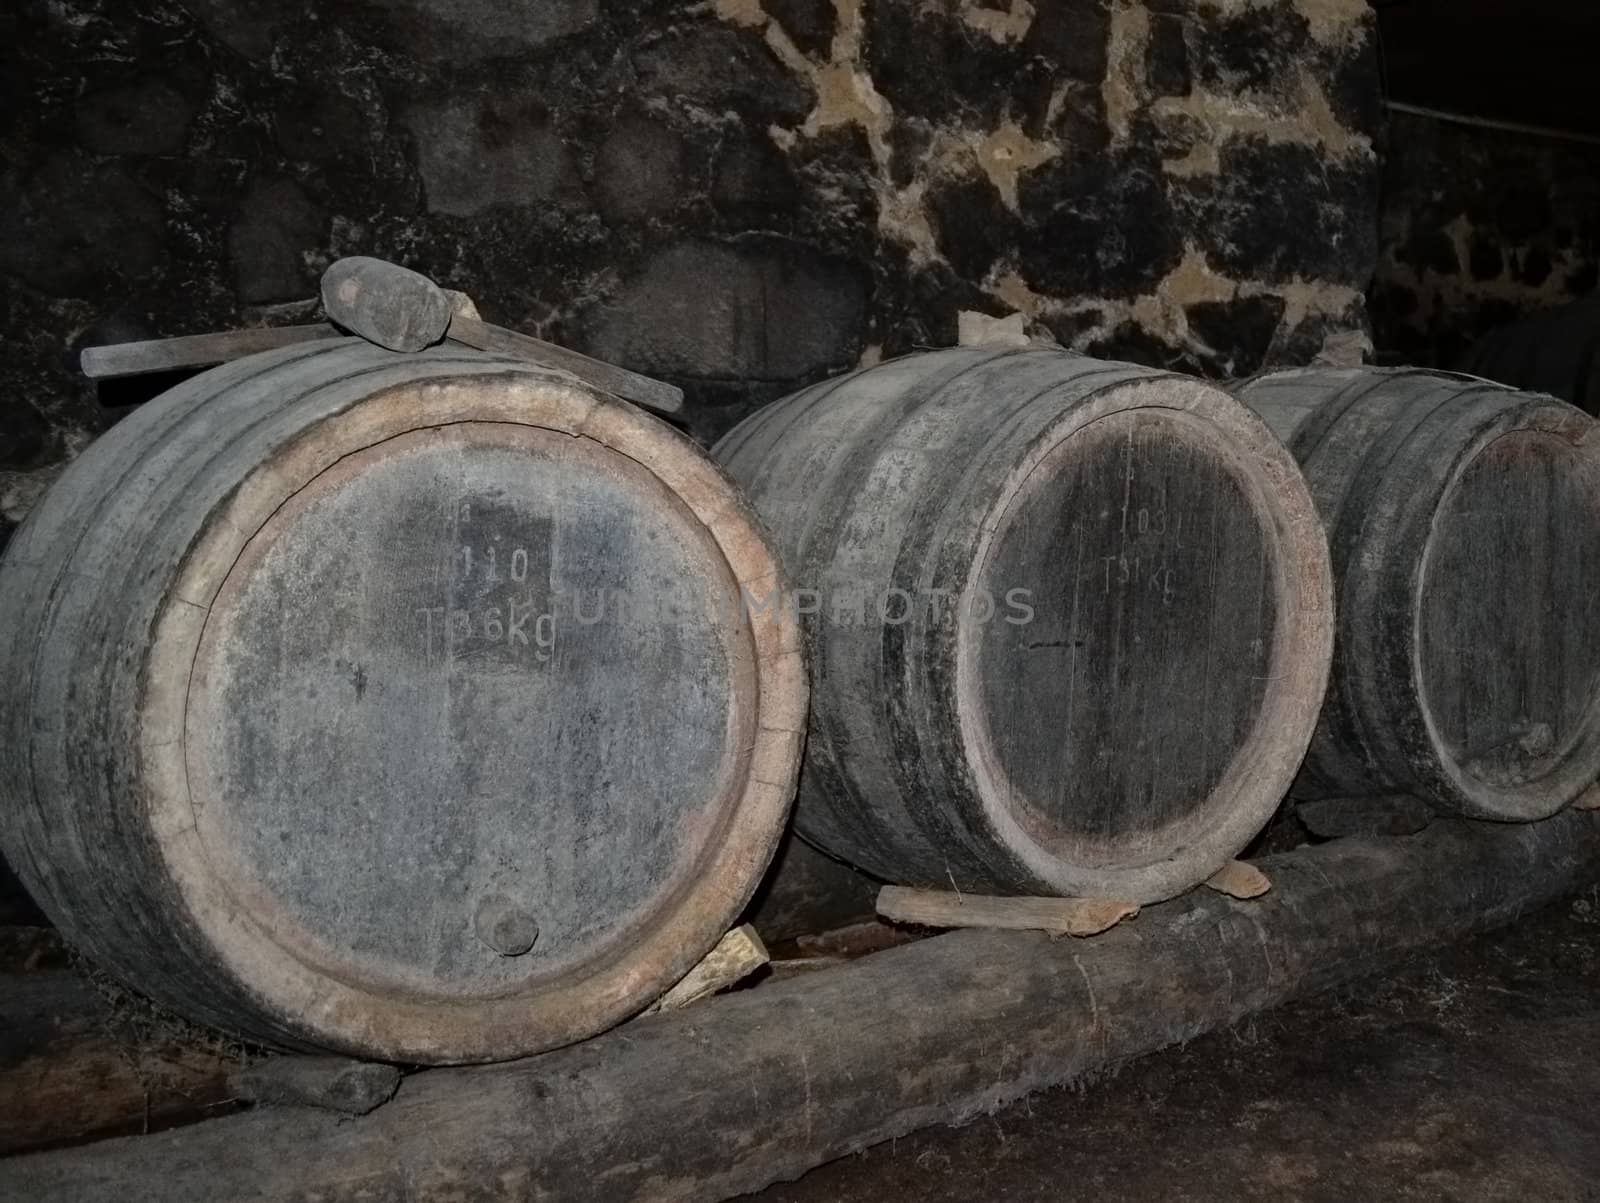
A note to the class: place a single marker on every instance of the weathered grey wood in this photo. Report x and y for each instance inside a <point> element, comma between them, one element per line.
<point>1393,814</point>
<point>194,350</point>
<point>619,382</point>
<point>384,303</point>
<point>761,1085</point>
<point>425,726</point>
<point>1064,916</point>
<point>1464,521</point>
<point>1071,619</point>
<point>327,1083</point>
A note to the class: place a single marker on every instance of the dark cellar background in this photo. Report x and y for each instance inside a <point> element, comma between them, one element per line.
<point>742,197</point>
<point>739,198</point>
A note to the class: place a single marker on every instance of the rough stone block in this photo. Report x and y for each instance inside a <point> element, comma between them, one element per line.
<point>639,170</point>
<point>78,227</point>
<point>767,312</point>
<point>474,155</point>
<point>460,31</point>
<point>809,23</point>
<point>468,31</point>
<point>144,118</point>
<point>276,226</point>
<point>723,69</point>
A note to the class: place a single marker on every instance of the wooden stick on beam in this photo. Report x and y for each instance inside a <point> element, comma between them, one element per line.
<point>761,1085</point>
<point>1063,916</point>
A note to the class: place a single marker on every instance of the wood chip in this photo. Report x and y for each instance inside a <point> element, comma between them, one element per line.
<point>736,956</point>
<point>1239,879</point>
<point>193,351</point>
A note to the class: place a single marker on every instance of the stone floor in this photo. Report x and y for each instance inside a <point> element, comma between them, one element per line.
<point>1472,1074</point>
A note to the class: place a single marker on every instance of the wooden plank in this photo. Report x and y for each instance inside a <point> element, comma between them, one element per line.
<point>761,1085</point>
<point>941,908</point>
<point>630,386</point>
<point>194,351</point>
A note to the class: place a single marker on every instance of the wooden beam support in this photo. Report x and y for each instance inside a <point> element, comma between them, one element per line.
<point>761,1085</point>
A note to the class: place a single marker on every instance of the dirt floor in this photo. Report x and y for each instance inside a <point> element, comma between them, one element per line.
<point>1472,1074</point>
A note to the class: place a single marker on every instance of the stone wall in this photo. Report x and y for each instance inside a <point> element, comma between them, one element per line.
<point>1479,227</point>
<point>740,196</point>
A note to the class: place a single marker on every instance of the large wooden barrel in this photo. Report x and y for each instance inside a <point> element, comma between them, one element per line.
<point>394,704</point>
<point>1069,620</point>
<point>1556,351</point>
<point>1464,521</point>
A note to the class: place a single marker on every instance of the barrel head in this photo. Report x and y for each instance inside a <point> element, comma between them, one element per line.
<point>1124,665</point>
<point>471,662</point>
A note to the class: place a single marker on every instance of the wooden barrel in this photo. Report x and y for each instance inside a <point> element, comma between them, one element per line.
<point>394,704</point>
<point>1556,351</point>
<point>1069,620</point>
<point>1464,521</point>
